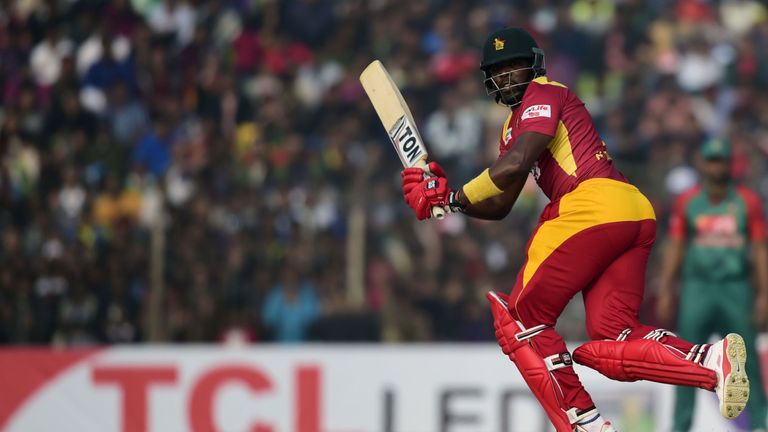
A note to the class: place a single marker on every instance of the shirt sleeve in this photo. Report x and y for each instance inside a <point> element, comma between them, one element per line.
<point>541,109</point>
<point>755,215</point>
<point>678,222</point>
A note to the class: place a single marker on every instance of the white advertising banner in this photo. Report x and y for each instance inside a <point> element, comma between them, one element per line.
<point>302,388</point>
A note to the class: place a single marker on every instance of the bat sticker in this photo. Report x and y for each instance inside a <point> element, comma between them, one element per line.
<point>407,143</point>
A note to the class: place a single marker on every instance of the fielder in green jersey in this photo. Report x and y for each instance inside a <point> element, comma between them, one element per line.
<point>717,235</point>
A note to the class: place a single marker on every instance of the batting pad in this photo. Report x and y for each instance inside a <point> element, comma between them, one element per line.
<point>643,359</point>
<point>531,366</point>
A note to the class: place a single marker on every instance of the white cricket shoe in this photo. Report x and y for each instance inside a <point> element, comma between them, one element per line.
<point>727,357</point>
<point>604,426</point>
<point>590,421</point>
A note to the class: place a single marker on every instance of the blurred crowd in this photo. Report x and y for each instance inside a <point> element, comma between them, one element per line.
<point>200,170</point>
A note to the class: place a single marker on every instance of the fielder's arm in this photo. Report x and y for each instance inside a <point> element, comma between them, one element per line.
<point>492,194</point>
<point>760,264</point>
<point>674,254</point>
<point>759,257</point>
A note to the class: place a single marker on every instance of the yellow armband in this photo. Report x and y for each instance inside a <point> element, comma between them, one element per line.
<point>481,188</point>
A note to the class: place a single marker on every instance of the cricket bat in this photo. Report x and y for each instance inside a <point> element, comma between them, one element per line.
<point>397,119</point>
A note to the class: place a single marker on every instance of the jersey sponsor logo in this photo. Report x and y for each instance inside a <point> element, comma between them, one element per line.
<point>718,231</point>
<point>535,111</point>
<point>717,224</point>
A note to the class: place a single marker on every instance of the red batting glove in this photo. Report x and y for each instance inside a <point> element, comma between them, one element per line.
<point>414,176</point>
<point>432,192</point>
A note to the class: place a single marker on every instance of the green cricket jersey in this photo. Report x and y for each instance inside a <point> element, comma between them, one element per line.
<point>718,234</point>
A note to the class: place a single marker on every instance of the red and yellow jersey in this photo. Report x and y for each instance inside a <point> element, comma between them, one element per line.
<point>576,152</point>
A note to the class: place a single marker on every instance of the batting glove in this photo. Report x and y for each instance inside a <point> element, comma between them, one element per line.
<point>431,192</point>
<point>414,176</point>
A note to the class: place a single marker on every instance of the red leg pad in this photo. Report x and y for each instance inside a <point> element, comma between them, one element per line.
<point>528,362</point>
<point>643,359</point>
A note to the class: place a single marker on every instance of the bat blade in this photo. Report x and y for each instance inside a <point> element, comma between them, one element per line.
<point>396,117</point>
<point>394,114</point>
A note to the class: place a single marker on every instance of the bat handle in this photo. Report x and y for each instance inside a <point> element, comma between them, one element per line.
<point>437,212</point>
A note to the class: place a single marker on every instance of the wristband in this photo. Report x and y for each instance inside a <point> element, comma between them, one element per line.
<point>481,188</point>
<point>454,204</point>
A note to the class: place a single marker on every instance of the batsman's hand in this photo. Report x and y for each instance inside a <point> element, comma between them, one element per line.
<point>413,176</point>
<point>428,193</point>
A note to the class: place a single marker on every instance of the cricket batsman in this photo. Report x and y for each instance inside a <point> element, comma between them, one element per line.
<point>716,229</point>
<point>594,237</point>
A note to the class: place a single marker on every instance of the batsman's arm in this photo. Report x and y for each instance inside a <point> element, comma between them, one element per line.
<point>492,194</point>
<point>495,208</point>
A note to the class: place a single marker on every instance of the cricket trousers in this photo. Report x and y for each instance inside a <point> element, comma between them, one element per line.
<point>708,308</point>
<point>595,240</point>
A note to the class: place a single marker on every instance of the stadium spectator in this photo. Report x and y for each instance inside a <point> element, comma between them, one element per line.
<point>242,126</point>
<point>290,307</point>
<point>107,69</point>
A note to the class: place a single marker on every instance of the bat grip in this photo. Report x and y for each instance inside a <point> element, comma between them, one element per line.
<point>437,212</point>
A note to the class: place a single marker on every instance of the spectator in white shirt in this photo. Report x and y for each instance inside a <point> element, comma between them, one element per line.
<point>453,133</point>
<point>46,57</point>
<point>174,17</point>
